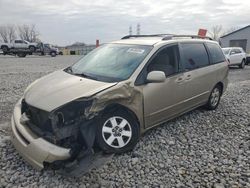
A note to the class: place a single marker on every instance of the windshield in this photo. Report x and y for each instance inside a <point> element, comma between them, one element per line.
<point>110,62</point>
<point>226,51</point>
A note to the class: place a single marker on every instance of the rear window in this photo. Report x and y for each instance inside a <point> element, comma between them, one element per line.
<point>216,53</point>
<point>195,55</point>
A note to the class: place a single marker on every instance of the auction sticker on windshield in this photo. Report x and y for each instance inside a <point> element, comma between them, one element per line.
<point>136,50</point>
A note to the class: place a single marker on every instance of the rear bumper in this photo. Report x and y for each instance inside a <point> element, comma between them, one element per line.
<point>35,150</point>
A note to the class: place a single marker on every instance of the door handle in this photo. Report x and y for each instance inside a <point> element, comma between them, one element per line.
<point>188,77</point>
<point>179,80</point>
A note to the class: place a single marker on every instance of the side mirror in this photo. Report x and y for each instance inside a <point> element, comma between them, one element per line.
<point>156,77</point>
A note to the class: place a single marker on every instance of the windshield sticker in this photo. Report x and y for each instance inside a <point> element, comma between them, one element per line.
<point>136,50</point>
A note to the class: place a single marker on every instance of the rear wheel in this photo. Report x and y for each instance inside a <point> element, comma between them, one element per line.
<point>242,64</point>
<point>117,132</point>
<point>32,48</point>
<point>53,54</point>
<point>214,98</point>
<point>21,55</point>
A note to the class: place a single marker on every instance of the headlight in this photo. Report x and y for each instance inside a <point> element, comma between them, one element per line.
<point>70,112</point>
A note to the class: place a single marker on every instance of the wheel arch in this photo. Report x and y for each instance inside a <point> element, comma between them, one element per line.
<point>221,85</point>
<point>4,46</point>
<point>31,46</point>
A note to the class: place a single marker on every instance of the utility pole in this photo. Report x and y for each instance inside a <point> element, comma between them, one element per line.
<point>138,30</point>
<point>130,30</point>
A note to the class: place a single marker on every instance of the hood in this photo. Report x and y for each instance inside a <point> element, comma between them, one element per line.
<point>33,43</point>
<point>59,88</point>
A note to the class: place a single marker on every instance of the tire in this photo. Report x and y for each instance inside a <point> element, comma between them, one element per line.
<point>117,132</point>
<point>5,49</point>
<point>242,64</point>
<point>214,98</point>
<point>53,54</point>
<point>21,55</point>
<point>32,48</point>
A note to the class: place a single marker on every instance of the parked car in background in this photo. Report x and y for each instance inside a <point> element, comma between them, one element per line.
<point>235,56</point>
<point>114,94</point>
<point>18,44</point>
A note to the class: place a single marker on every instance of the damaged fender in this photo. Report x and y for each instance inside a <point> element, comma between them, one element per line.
<point>124,94</point>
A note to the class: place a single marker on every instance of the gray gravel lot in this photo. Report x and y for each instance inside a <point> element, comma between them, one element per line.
<point>199,149</point>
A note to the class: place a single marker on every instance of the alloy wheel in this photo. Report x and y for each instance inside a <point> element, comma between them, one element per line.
<point>215,96</point>
<point>116,132</point>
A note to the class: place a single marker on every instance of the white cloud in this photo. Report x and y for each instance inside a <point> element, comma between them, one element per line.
<point>67,21</point>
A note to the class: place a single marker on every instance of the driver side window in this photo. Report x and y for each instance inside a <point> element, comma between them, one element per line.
<point>166,60</point>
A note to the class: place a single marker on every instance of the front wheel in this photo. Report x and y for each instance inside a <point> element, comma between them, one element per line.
<point>117,132</point>
<point>242,64</point>
<point>53,54</point>
<point>214,98</point>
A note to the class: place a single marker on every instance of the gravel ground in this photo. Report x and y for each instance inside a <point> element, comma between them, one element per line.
<point>199,149</point>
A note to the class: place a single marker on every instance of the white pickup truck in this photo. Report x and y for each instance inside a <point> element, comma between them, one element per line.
<point>18,44</point>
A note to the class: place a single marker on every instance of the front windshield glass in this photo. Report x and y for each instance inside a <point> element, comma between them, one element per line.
<point>111,62</point>
<point>226,51</point>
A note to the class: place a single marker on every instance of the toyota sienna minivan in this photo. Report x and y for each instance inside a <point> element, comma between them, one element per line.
<point>111,96</point>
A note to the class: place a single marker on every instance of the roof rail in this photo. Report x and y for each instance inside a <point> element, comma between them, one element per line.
<point>191,36</point>
<point>137,36</point>
<point>167,36</point>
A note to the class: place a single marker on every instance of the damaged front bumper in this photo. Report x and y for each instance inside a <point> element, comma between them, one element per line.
<point>35,150</point>
<point>40,153</point>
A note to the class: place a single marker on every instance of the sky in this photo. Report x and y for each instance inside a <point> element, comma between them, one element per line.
<point>64,22</point>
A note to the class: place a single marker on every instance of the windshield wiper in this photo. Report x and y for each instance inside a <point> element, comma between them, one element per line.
<point>85,76</point>
<point>70,71</point>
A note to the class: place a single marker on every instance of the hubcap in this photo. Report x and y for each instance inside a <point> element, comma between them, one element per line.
<point>215,96</point>
<point>116,132</point>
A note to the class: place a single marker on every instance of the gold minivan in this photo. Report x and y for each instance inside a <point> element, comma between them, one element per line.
<point>111,96</point>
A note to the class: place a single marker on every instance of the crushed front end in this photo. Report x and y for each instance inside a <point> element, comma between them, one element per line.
<point>62,139</point>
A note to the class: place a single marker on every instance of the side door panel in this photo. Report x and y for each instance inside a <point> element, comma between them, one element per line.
<point>17,44</point>
<point>198,87</point>
<point>163,100</point>
<point>239,56</point>
<point>233,57</point>
<point>199,77</point>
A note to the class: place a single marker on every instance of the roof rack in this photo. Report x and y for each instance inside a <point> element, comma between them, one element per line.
<point>137,36</point>
<point>167,36</point>
<point>183,36</point>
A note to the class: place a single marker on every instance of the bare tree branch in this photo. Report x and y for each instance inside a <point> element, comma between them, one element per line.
<point>216,32</point>
<point>11,30</point>
<point>8,33</point>
<point>28,32</point>
<point>3,33</point>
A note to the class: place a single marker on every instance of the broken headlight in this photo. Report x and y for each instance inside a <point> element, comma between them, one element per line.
<point>70,113</point>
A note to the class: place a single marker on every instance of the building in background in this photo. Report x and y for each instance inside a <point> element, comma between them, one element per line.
<point>238,38</point>
<point>77,49</point>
